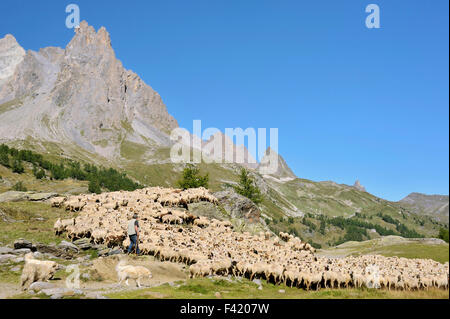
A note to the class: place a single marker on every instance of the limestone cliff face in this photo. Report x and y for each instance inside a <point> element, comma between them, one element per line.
<point>80,95</point>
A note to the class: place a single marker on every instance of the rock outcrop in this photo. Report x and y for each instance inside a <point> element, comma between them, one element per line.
<point>81,95</point>
<point>17,196</point>
<point>358,186</point>
<point>11,54</point>
<point>238,206</point>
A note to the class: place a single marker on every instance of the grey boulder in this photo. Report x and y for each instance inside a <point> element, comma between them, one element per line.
<point>58,293</point>
<point>21,251</point>
<point>238,206</point>
<point>6,257</point>
<point>5,250</point>
<point>41,196</point>
<point>83,243</point>
<point>69,246</point>
<point>40,285</point>
<point>23,243</point>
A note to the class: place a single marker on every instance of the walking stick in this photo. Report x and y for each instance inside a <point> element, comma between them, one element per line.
<point>136,245</point>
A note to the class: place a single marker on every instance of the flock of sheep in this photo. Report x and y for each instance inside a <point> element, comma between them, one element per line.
<point>210,246</point>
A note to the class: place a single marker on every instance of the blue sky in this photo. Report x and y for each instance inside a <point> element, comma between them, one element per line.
<point>349,102</point>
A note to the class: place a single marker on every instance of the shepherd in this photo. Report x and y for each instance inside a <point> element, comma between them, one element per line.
<point>133,234</point>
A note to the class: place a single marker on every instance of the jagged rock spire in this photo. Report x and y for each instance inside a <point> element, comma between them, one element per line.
<point>81,95</point>
<point>11,54</point>
<point>358,186</point>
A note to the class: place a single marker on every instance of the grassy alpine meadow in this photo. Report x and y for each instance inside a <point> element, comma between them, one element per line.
<point>30,220</point>
<point>212,288</point>
<point>391,246</point>
<point>34,222</point>
<point>39,185</point>
<point>439,253</point>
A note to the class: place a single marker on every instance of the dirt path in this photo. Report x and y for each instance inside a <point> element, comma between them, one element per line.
<point>162,272</point>
<point>8,290</point>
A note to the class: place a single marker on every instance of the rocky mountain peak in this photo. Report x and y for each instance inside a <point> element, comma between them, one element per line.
<point>90,46</point>
<point>11,54</point>
<point>103,36</point>
<point>81,96</point>
<point>85,32</point>
<point>8,41</point>
<point>358,186</point>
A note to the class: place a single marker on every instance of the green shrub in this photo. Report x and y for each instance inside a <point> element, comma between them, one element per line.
<point>94,187</point>
<point>354,233</point>
<point>108,178</point>
<point>323,225</point>
<point>293,231</point>
<point>443,234</point>
<point>18,166</point>
<point>388,219</point>
<point>309,223</point>
<point>247,187</point>
<point>4,159</point>
<point>38,173</point>
<point>19,187</point>
<point>192,179</point>
<point>315,245</point>
<point>401,228</point>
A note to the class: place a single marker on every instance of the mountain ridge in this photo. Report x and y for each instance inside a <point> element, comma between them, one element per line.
<point>111,108</point>
<point>82,94</point>
<point>436,206</point>
<point>81,103</point>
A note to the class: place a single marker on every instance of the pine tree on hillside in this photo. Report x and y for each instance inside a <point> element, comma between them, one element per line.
<point>39,174</point>
<point>4,159</point>
<point>192,178</point>
<point>443,234</point>
<point>247,187</point>
<point>19,187</point>
<point>18,166</point>
<point>94,187</point>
